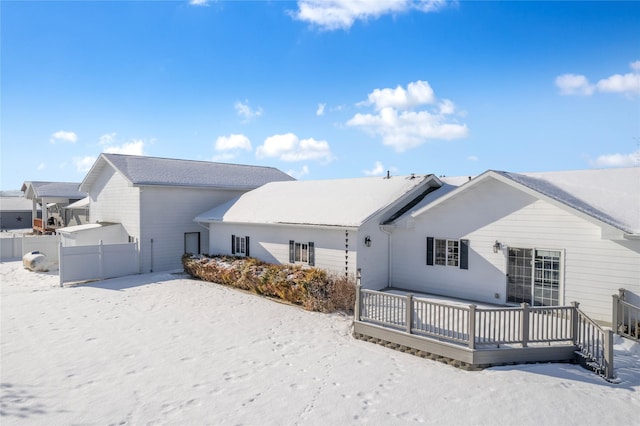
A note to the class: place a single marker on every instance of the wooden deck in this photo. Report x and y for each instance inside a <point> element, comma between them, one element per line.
<point>475,337</point>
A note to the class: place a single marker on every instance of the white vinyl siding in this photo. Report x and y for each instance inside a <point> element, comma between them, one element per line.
<point>594,268</point>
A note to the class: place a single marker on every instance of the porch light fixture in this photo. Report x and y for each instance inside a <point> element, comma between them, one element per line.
<point>497,246</point>
<point>367,241</point>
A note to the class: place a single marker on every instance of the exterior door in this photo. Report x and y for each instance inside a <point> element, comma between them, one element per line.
<point>534,276</point>
<point>192,242</point>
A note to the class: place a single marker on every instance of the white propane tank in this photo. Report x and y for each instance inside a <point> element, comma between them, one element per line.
<point>35,261</point>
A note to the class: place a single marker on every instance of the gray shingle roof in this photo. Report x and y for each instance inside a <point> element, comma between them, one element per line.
<point>141,170</point>
<point>54,189</point>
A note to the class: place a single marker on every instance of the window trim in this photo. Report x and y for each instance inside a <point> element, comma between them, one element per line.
<point>455,252</point>
<point>295,252</point>
<point>240,245</point>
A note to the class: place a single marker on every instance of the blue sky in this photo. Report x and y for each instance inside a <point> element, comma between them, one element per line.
<point>320,89</point>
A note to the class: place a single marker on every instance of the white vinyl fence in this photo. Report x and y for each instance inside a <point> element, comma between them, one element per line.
<point>17,246</point>
<point>98,262</point>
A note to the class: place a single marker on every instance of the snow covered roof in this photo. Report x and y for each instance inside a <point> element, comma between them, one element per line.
<point>335,202</point>
<point>141,170</point>
<point>609,196</point>
<point>68,190</point>
<point>80,204</point>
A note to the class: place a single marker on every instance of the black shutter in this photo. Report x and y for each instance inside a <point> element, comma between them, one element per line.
<point>233,244</point>
<point>292,258</point>
<point>246,246</point>
<point>464,254</point>
<point>429,250</point>
<point>312,254</point>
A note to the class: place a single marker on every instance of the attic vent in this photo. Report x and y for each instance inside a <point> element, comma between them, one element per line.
<point>388,174</point>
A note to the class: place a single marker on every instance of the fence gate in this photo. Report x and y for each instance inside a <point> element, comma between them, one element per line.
<point>98,262</point>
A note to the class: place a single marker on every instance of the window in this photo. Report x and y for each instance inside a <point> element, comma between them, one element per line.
<point>446,252</point>
<point>302,252</point>
<point>239,245</point>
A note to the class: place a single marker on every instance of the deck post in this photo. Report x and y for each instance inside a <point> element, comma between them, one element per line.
<point>608,354</point>
<point>524,324</point>
<point>615,314</point>
<point>356,308</point>
<point>408,310</point>
<point>472,326</point>
<point>574,322</point>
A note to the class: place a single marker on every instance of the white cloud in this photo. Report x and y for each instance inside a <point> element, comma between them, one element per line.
<point>628,84</point>
<point>472,158</point>
<point>299,173</point>
<point>83,164</point>
<point>288,147</point>
<point>572,84</point>
<point>107,139</point>
<point>233,142</point>
<point>135,147</point>
<point>41,166</point>
<point>341,14</point>
<point>402,127</point>
<point>199,2</point>
<point>320,110</point>
<point>245,111</point>
<point>63,136</point>
<point>417,93</point>
<point>377,170</point>
<point>618,160</point>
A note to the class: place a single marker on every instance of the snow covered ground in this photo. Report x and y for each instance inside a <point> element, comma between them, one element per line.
<point>165,349</point>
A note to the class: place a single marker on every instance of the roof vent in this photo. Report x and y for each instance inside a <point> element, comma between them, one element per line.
<point>388,174</point>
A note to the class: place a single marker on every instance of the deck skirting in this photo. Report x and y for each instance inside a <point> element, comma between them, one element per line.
<point>460,356</point>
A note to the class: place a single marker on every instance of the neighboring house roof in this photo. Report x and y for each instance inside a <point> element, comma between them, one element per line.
<point>16,204</point>
<point>608,196</point>
<point>79,205</point>
<point>142,171</point>
<point>69,190</point>
<point>335,202</point>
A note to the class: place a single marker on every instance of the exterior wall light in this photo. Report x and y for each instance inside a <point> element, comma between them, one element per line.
<point>497,246</point>
<point>367,241</point>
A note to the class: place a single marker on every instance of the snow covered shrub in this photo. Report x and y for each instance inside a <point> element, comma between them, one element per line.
<point>311,288</point>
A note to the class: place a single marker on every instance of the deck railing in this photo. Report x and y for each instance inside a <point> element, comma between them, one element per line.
<point>477,328</point>
<point>626,317</point>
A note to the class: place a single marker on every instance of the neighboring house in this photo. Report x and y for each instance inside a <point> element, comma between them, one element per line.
<point>52,197</point>
<point>156,199</point>
<point>78,212</point>
<point>15,213</point>
<point>331,224</point>
<point>541,238</point>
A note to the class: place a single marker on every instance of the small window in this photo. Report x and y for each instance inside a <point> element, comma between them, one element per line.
<point>239,245</point>
<point>446,252</point>
<point>300,252</point>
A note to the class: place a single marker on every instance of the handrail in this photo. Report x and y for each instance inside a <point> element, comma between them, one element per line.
<point>626,317</point>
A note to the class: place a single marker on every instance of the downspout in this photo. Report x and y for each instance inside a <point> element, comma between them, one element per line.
<point>387,230</point>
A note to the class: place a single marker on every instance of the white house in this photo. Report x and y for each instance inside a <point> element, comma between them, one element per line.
<point>156,199</point>
<point>541,238</point>
<point>331,224</point>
